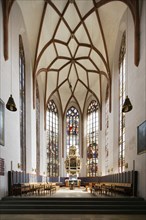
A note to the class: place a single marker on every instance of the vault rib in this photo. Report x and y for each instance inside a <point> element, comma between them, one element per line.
<point>60,15</point>
<point>83,23</point>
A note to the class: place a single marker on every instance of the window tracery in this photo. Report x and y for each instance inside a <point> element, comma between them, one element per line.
<point>22,104</point>
<point>37,130</point>
<point>52,140</point>
<point>72,128</point>
<point>122,71</point>
<point>92,139</point>
<point>106,135</point>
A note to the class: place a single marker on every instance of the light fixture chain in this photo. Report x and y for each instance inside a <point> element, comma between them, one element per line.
<point>0,71</point>
<point>127,49</point>
<point>11,55</point>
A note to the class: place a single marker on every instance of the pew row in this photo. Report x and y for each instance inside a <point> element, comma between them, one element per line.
<point>33,188</point>
<point>111,188</point>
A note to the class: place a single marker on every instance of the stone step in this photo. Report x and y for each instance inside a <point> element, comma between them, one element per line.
<point>72,211</point>
<point>28,198</point>
<point>71,206</point>
<point>93,205</point>
<point>75,202</point>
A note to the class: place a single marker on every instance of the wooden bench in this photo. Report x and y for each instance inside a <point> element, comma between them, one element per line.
<point>125,188</point>
<point>19,189</point>
<point>50,187</point>
<point>112,188</point>
<point>32,188</point>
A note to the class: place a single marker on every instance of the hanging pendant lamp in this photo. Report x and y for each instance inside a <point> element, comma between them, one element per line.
<point>11,106</point>
<point>127,105</point>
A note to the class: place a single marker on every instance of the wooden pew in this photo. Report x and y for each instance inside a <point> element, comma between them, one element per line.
<point>32,188</point>
<point>112,188</point>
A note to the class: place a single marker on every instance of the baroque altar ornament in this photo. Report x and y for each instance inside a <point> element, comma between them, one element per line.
<point>72,162</point>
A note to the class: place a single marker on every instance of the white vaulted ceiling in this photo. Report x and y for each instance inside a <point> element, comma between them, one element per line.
<point>72,45</point>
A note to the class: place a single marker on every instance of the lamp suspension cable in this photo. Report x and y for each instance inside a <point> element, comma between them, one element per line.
<point>127,106</point>
<point>11,61</point>
<point>11,106</point>
<point>0,71</point>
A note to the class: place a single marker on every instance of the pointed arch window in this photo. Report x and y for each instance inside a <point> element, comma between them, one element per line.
<point>72,128</point>
<point>122,70</point>
<point>106,135</point>
<point>37,130</point>
<point>22,104</point>
<point>92,139</point>
<point>52,140</point>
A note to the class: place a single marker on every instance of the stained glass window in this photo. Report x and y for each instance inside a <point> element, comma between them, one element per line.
<point>52,128</point>
<point>22,104</point>
<point>37,131</point>
<point>106,135</point>
<point>72,128</point>
<point>92,139</point>
<point>122,69</point>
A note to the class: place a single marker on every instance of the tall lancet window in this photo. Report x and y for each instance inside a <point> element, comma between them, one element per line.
<point>122,69</point>
<point>72,128</point>
<point>107,133</point>
<point>37,130</point>
<point>52,130</point>
<point>22,104</point>
<point>92,139</point>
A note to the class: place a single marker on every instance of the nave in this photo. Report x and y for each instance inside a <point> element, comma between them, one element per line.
<point>69,66</point>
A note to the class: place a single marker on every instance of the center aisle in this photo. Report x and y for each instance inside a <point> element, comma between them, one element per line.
<point>76,192</point>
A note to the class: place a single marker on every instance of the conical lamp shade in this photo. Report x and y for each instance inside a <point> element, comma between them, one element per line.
<point>11,104</point>
<point>127,105</point>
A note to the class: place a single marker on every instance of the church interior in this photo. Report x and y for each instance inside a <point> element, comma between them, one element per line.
<point>73,101</point>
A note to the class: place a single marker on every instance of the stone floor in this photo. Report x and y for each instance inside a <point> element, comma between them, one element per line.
<point>72,217</point>
<point>77,192</point>
<point>66,192</point>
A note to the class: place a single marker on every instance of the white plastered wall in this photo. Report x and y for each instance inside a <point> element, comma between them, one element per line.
<point>42,133</point>
<point>137,93</point>
<point>136,90</point>
<point>11,150</point>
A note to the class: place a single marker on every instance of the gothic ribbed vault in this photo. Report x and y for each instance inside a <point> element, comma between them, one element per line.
<point>72,43</point>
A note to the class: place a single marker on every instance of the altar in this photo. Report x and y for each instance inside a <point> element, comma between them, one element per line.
<point>76,182</point>
<point>72,162</point>
<point>73,166</point>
